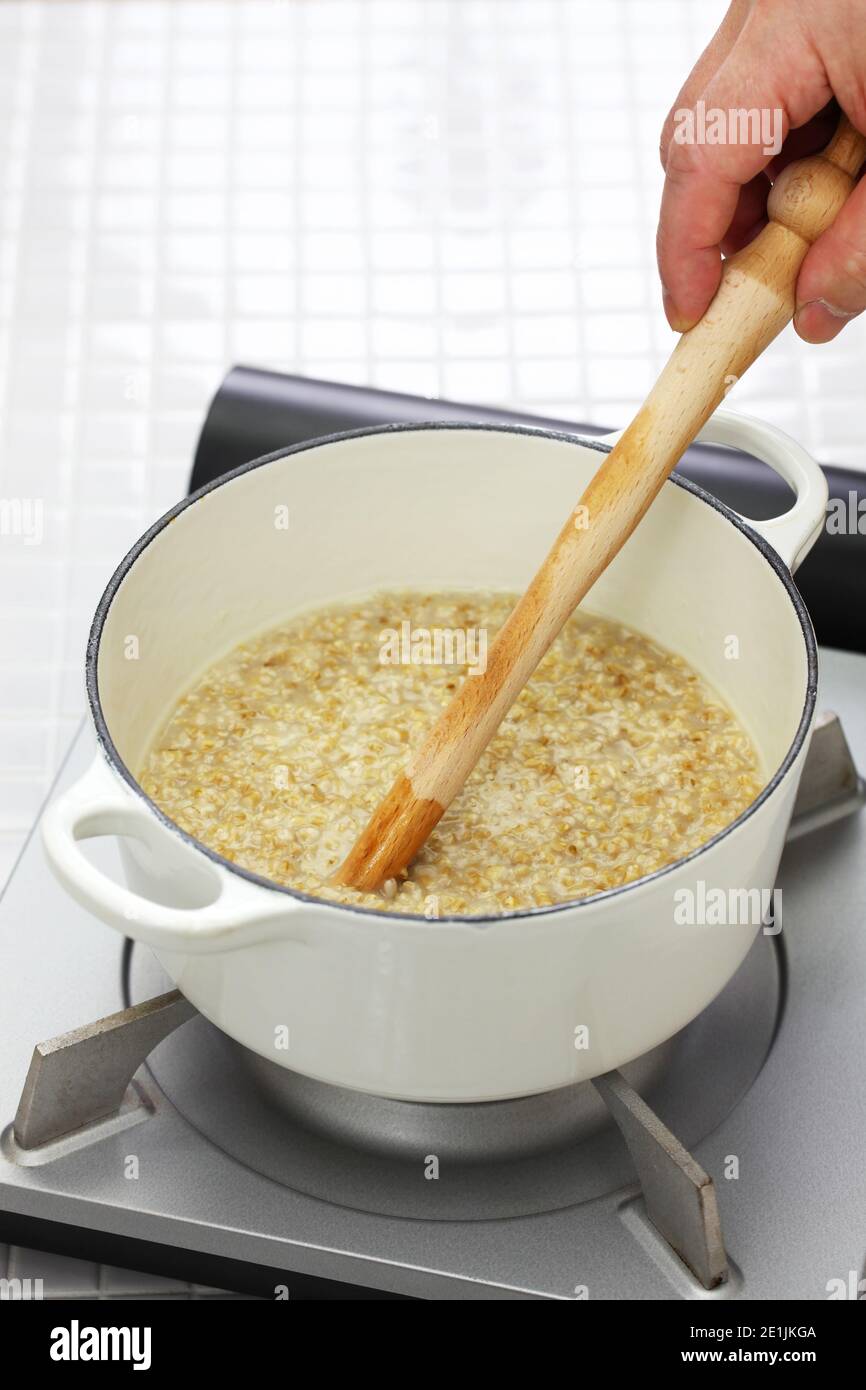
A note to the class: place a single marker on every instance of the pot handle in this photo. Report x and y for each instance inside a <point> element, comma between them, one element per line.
<point>238,914</point>
<point>792,534</point>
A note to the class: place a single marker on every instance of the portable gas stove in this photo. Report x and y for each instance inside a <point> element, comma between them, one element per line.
<point>727,1163</point>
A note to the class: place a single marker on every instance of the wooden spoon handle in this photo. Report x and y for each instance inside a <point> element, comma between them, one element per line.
<point>754,301</point>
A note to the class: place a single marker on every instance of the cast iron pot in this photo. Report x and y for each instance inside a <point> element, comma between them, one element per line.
<point>456,1009</point>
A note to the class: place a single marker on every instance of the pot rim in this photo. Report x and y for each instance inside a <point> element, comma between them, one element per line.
<point>108,748</point>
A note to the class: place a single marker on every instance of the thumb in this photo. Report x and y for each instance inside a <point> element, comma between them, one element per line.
<point>831,287</point>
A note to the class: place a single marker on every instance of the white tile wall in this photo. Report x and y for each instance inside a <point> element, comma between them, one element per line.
<point>439,196</point>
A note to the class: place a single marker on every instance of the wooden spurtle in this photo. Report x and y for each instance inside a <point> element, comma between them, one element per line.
<point>754,301</point>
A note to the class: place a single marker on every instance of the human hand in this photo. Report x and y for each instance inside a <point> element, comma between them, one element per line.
<point>794,58</point>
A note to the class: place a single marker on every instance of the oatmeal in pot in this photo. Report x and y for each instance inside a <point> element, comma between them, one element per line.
<point>616,759</point>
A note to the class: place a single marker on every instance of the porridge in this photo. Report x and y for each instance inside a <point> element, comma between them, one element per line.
<point>616,759</point>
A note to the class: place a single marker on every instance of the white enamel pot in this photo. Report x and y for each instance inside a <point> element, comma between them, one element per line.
<point>452,1010</point>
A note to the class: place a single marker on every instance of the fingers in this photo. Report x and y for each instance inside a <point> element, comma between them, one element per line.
<point>831,288</point>
<point>700,199</point>
<point>808,139</point>
<point>751,210</point>
<point>773,75</point>
<point>705,69</point>
<point>750,215</point>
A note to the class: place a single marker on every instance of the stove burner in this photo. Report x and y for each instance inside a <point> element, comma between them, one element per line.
<point>499,1159</point>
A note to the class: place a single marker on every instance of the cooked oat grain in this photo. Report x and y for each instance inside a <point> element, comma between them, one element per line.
<point>616,759</point>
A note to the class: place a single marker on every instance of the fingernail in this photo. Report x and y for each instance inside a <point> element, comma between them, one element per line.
<point>676,320</point>
<point>818,321</point>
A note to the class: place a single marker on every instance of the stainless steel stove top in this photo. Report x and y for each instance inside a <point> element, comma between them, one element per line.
<point>535,1199</point>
